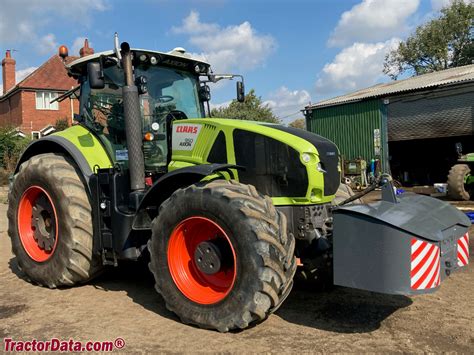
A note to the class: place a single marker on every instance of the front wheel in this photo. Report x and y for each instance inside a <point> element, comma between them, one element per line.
<point>221,255</point>
<point>50,222</point>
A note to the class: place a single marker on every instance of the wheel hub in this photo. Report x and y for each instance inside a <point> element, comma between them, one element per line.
<point>37,224</point>
<point>208,257</point>
<point>42,222</point>
<point>202,260</point>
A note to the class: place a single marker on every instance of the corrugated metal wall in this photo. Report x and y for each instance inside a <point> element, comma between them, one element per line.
<point>350,126</point>
<point>435,115</point>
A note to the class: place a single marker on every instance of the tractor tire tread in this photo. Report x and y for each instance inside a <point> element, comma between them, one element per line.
<point>275,250</point>
<point>77,264</point>
<point>456,188</point>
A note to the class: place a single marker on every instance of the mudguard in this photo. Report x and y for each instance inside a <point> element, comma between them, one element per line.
<point>77,143</point>
<point>407,247</point>
<point>170,182</point>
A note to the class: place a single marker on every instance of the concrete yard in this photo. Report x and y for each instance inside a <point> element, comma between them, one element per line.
<point>123,304</point>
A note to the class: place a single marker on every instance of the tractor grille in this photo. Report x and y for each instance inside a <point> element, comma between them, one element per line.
<point>328,155</point>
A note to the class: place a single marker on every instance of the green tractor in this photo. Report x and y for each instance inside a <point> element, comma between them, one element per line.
<point>460,180</point>
<point>225,210</point>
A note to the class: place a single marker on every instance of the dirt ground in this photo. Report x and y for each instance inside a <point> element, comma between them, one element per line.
<point>123,304</point>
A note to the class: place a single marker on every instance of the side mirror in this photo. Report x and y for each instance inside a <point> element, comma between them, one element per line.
<point>240,91</point>
<point>95,75</point>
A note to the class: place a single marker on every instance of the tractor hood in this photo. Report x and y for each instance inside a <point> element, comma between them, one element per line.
<point>289,164</point>
<point>328,155</point>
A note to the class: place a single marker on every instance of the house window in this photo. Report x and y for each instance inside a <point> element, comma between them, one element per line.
<point>35,135</point>
<point>44,98</point>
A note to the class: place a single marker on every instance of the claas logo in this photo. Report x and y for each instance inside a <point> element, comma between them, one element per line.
<point>186,129</point>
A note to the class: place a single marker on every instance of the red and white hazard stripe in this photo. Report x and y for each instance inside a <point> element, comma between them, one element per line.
<point>463,250</point>
<point>425,265</point>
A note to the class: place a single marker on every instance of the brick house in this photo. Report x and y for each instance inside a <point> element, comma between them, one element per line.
<point>27,105</point>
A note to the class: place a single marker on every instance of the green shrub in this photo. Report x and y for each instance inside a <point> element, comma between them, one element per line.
<point>11,147</point>
<point>61,124</point>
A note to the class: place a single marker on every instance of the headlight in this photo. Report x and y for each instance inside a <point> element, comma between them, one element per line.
<point>306,157</point>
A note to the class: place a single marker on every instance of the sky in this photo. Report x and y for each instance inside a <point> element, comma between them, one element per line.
<point>291,52</point>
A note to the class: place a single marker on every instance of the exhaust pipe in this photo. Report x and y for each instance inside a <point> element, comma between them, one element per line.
<point>133,127</point>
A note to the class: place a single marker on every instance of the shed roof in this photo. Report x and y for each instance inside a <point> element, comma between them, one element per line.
<point>420,82</point>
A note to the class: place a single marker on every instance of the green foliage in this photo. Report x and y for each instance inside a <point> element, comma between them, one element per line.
<point>444,42</point>
<point>252,109</point>
<point>61,124</point>
<point>298,123</point>
<point>11,147</point>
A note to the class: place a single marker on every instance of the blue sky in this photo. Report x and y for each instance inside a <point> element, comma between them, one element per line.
<point>290,52</point>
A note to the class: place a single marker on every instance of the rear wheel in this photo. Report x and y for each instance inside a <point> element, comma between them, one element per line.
<point>457,189</point>
<point>50,222</point>
<point>221,256</point>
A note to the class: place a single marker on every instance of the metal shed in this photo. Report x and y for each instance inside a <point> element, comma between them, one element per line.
<point>411,124</point>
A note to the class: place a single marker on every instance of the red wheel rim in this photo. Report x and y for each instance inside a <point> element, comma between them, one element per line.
<point>196,285</point>
<point>37,224</point>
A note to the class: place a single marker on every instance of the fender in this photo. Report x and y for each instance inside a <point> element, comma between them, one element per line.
<point>76,142</point>
<point>174,180</point>
<point>56,144</point>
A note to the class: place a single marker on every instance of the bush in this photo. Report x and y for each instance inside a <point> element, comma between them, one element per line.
<point>11,147</point>
<point>61,124</point>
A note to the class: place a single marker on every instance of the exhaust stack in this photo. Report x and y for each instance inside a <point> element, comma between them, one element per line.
<point>133,126</point>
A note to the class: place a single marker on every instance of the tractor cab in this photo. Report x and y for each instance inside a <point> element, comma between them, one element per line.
<point>171,86</point>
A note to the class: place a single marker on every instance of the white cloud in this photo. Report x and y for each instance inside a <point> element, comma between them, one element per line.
<point>226,48</point>
<point>47,44</point>
<point>24,20</point>
<point>372,21</point>
<point>355,67</point>
<point>221,105</point>
<point>439,4</point>
<point>286,103</point>
<point>192,24</point>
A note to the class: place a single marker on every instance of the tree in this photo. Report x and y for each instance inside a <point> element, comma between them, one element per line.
<point>61,124</point>
<point>252,109</point>
<point>444,42</point>
<point>298,123</point>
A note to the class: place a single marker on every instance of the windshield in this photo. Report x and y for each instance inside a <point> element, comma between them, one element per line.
<point>168,91</point>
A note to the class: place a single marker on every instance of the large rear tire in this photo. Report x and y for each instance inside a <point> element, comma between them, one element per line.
<point>255,254</point>
<point>456,178</point>
<point>50,222</point>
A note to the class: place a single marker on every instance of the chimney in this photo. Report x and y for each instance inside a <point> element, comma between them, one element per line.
<point>8,71</point>
<point>86,50</point>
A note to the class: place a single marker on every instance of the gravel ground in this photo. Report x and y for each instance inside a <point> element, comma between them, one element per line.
<point>123,304</point>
